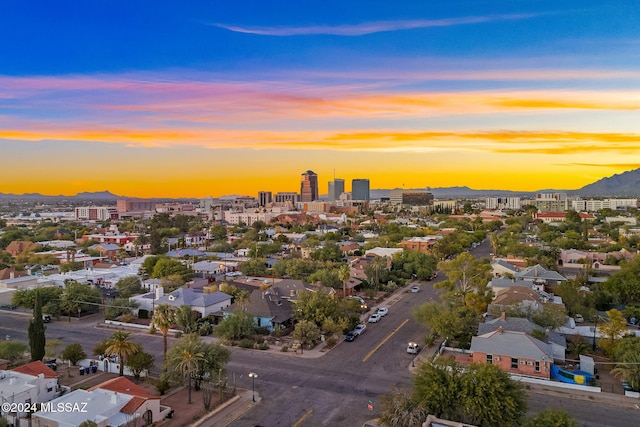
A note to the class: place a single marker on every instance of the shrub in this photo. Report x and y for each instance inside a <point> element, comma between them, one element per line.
<point>152,329</point>
<point>246,343</point>
<point>261,330</point>
<point>163,386</point>
<point>178,334</point>
<point>263,346</point>
<point>331,341</point>
<point>205,329</point>
<point>127,318</point>
<point>284,349</point>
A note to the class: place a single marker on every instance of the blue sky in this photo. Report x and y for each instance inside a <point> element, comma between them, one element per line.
<point>491,94</point>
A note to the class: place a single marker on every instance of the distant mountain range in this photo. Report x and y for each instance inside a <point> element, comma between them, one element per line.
<point>626,184</point>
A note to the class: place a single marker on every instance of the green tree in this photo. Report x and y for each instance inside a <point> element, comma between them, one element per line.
<point>552,316</point>
<point>629,369</point>
<point>437,387</point>
<point>612,331</point>
<point>218,233</point>
<point>254,267</point>
<point>164,317</point>
<point>236,326</point>
<point>491,398</point>
<point>77,297</point>
<point>185,361</point>
<point>118,307</point>
<point>167,267</point>
<point>88,423</point>
<point>73,353</point>
<point>192,359</point>
<point>625,284</point>
<point>457,322</point>
<point>121,346</point>
<point>344,274</point>
<point>140,361</point>
<point>329,277</point>
<point>316,307</point>
<point>27,297</point>
<point>551,417</point>
<point>400,408</point>
<point>306,332</point>
<point>12,350</point>
<point>466,275</point>
<point>36,331</point>
<point>129,286</point>
<point>187,319</point>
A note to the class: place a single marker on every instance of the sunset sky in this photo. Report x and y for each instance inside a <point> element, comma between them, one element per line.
<point>208,98</point>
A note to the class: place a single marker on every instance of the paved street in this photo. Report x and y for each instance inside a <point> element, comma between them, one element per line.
<point>332,388</point>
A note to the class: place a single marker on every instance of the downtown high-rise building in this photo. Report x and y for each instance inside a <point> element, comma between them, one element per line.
<point>264,198</point>
<point>360,189</point>
<point>336,188</point>
<point>309,187</point>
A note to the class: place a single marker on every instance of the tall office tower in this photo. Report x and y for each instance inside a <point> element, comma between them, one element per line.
<point>264,198</point>
<point>360,189</point>
<point>309,187</point>
<point>336,188</point>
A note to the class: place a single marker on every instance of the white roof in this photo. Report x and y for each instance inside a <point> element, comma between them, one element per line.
<point>97,404</point>
<point>384,252</point>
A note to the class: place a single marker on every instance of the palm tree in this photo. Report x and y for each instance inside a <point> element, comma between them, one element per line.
<point>242,297</point>
<point>164,316</point>
<point>344,274</point>
<point>190,360</point>
<point>119,344</point>
<point>629,370</point>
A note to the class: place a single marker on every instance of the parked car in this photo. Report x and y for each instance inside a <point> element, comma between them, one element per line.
<point>383,311</point>
<point>415,289</point>
<point>413,348</point>
<point>374,318</point>
<point>351,335</point>
<point>359,330</point>
<point>578,318</point>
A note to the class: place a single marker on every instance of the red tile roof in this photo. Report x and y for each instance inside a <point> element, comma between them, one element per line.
<point>125,386</point>
<point>36,368</point>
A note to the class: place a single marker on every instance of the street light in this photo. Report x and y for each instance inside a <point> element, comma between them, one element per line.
<point>253,377</point>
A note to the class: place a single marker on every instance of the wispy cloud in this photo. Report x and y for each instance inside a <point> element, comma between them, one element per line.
<point>370,27</point>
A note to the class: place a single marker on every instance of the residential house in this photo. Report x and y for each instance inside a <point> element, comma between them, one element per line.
<point>422,244</point>
<point>205,303</point>
<point>31,383</point>
<point>269,308</point>
<point>12,273</point>
<point>119,403</point>
<point>557,341</point>
<point>17,247</point>
<point>384,252</point>
<point>513,352</point>
<point>108,251</point>
<point>540,274</point>
<point>19,282</point>
<point>502,268</point>
<point>143,403</point>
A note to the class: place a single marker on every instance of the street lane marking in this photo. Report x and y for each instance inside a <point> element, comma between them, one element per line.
<point>376,348</point>
<point>302,418</point>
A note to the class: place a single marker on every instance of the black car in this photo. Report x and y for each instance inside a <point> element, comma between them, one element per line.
<point>350,336</point>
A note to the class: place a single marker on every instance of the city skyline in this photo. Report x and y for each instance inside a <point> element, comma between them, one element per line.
<point>157,100</point>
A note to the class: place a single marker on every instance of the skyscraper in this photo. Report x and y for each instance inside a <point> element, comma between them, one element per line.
<point>360,189</point>
<point>264,198</point>
<point>336,188</point>
<point>309,187</point>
